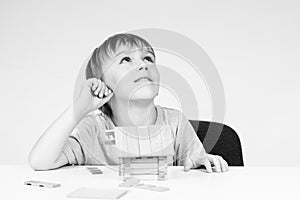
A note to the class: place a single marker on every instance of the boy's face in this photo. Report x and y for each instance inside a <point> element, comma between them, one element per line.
<point>123,72</point>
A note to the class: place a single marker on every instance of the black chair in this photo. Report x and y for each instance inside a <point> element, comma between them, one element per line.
<point>220,139</point>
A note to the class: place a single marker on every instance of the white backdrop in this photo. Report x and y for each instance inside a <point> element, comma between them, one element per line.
<point>254,46</point>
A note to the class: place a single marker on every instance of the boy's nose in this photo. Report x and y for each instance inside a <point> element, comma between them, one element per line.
<point>142,66</point>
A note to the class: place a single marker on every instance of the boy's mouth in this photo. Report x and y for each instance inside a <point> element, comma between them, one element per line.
<point>142,79</point>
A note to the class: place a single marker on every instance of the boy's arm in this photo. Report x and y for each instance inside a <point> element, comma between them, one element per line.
<point>47,151</point>
<point>187,143</point>
<point>190,150</point>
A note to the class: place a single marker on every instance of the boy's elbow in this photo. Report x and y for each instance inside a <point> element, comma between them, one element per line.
<point>38,164</point>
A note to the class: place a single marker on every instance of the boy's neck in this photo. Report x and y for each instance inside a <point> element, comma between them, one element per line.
<point>137,113</point>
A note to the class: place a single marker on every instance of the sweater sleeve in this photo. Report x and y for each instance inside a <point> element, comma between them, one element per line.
<point>81,142</point>
<point>187,143</point>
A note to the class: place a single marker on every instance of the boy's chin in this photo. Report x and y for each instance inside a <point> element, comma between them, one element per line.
<point>143,96</point>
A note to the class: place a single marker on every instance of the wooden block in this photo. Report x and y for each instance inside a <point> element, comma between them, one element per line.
<point>42,184</point>
<point>145,159</point>
<point>92,168</point>
<point>129,182</point>
<point>146,165</point>
<point>109,137</point>
<point>152,187</point>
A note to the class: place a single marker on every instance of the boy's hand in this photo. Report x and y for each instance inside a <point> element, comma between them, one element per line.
<point>93,94</point>
<point>219,164</point>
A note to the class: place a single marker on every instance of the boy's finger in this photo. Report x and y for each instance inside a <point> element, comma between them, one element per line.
<point>91,82</point>
<point>98,88</point>
<point>109,90</point>
<point>106,91</point>
<point>188,165</point>
<point>107,98</point>
<point>95,84</point>
<point>224,165</point>
<point>101,93</point>
<point>102,101</point>
<point>217,163</point>
<point>207,165</point>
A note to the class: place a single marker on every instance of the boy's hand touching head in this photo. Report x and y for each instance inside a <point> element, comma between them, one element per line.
<point>219,164</point>
<point>93,94</point>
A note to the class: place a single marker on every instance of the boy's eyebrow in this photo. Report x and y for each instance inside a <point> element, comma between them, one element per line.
<point>121,52</point>
<point>151,53</point>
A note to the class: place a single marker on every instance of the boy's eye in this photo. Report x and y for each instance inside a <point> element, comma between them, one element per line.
<point>127,59</point>
<point>148,58</point>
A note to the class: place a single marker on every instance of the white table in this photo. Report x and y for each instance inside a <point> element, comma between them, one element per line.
<point>237,183</point>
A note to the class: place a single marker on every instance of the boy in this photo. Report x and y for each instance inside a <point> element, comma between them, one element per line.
<point>122,82</point>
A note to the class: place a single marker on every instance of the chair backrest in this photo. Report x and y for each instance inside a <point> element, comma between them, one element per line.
<point>227,145</point>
